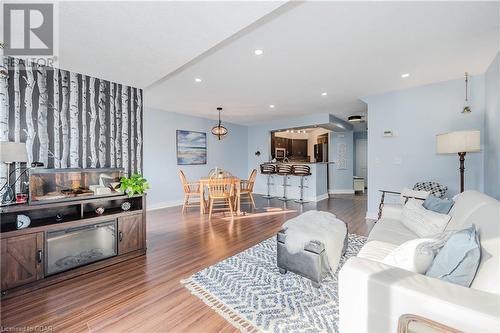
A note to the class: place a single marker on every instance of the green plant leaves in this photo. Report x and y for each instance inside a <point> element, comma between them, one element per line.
<point>135,184</point>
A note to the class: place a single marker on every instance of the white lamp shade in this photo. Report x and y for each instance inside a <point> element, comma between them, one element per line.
<point>13,152</point>
<point>458,142</point>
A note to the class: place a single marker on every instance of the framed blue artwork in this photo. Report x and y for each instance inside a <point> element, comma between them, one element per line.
<point>191,147</point>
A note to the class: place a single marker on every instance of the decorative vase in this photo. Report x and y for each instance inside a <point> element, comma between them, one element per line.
<point>126,206</point>
<point>23,221</point>
<point>99,210</point>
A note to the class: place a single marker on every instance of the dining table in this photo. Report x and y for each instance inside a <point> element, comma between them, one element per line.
<point>237,190</point>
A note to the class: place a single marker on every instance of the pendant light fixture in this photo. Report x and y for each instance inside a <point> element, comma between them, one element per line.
<point>355,119</point>
<point>466,108</point>
<point>219,131</point>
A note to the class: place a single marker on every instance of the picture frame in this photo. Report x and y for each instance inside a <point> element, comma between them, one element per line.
<point>191,147</point>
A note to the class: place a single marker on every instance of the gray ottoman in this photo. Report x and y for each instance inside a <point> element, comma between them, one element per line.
<point>312,261</point>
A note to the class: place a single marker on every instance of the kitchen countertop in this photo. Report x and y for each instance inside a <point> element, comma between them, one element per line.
<point>298,162</point>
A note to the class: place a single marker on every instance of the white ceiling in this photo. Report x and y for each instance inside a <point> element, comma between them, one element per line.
<point>349,49</point>
<point>139,42</point>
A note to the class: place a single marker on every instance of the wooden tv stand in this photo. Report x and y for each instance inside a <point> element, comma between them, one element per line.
<point>23,251</point>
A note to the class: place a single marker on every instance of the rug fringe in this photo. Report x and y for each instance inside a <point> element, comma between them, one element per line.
<point>218,306</point>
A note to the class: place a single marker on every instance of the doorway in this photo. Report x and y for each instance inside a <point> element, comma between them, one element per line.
<point>361,159</point>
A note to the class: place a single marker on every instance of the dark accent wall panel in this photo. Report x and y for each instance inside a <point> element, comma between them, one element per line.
<point>70,120</point>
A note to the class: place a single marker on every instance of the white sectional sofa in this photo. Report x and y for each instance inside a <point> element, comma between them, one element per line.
<point>374,295</point>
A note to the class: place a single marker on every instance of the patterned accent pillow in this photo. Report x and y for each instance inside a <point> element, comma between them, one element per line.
<point>434,188</point>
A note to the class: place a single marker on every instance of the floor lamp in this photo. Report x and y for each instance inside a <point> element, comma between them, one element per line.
<point>460,142</point>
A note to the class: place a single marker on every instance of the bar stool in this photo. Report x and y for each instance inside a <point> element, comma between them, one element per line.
<point>301,171</point>
<point>269,170</point>
<point>284,170</point>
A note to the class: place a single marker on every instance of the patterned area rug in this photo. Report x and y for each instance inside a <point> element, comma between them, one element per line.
<point>248,291</point>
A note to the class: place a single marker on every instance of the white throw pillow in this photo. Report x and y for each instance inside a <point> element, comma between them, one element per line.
<point>421,221</point>
<point>414,255</point>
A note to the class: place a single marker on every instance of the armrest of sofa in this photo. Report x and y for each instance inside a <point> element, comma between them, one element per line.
<point>373,295</point>
<point>392,211</point>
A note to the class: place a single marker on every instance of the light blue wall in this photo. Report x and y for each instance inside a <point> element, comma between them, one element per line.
<point>341,180</point>
<point>415,116</point>
<point>160,159</point>
<point>492,130</point>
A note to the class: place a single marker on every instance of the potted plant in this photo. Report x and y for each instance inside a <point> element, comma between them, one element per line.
<point>135,184</point>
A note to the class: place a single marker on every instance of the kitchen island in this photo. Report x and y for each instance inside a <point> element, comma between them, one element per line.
<point>315,189</point>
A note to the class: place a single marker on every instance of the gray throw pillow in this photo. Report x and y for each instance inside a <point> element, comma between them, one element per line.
<point>438,205</point>
<point>458,260</point>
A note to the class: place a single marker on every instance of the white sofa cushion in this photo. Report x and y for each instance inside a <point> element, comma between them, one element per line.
<point>421,221</point>
<point>413,255</point>
<point>465,205</point>
<point>391,231</point>
<point>487,221</point>
<point>376,250</point>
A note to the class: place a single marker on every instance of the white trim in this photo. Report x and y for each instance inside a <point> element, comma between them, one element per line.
<point>321,197</point>
<point>341,191</point>
<point>371,215</point>
<point>166,204</point>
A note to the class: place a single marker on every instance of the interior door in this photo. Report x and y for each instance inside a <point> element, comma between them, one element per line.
<point>361,159</point>
<point>130,236</point>
<point>22,260</point>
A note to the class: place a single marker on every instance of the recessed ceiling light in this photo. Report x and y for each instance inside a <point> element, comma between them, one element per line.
<point>405,75</point>
<point>197,80</point>
<point>258,52</point>
<point>271,106</point>
<point>324,93</point>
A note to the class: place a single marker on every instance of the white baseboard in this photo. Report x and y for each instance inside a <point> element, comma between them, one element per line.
<point>322,197</point>
<point>165,204</point>
<point>341,191</point>
<point>371,216</point>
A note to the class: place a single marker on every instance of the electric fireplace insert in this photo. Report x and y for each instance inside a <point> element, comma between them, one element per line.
<point>78,246</point>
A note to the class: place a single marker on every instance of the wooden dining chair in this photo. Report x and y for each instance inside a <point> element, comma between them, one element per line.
<point>247,187</point>
<point>191,190</point>
<point>220,190</point>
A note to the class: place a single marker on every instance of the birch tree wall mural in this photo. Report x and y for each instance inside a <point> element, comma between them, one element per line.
<point>69,120</point>
<point>17,118</point>
<point>56,125</point>
<point>84,122</point>
<point>102,123</point>
<point>64,119</point>
<point>4,124</point>
<point>42,127</point>
<point>74,129</point>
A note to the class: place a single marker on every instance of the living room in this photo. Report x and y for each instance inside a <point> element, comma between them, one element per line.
<point>255,166</point>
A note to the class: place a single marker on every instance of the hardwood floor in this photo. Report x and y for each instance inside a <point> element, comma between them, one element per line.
<point>144,294</point>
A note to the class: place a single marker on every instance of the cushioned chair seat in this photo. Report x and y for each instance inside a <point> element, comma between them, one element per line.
<point>376,250</point>
<point>391,231</point>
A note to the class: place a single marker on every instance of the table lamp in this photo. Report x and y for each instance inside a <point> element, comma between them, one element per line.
<point>460,142</point>
<point>11,152</point>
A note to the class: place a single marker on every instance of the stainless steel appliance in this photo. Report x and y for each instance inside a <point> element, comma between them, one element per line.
<point>78,246</point>
<point>279,153</point>
<point>321,152</point>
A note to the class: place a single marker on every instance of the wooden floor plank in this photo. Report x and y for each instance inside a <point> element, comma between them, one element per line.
<point>144,294</point>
